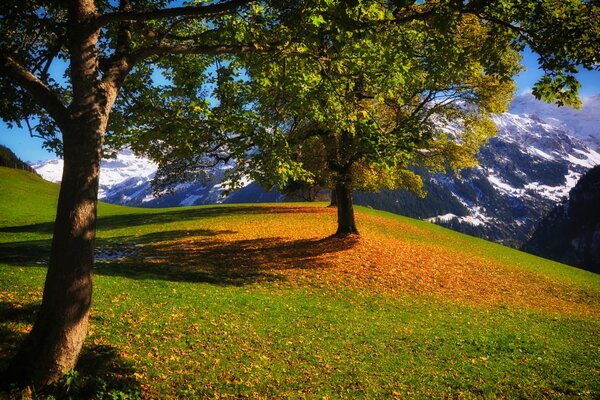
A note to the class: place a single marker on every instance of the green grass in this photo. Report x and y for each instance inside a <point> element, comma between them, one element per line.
<point>201,326</point>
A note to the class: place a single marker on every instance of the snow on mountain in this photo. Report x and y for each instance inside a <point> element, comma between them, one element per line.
<point>50,170</point>
<point>126,180</point>
<point>545,143</point>
<point>583,123</point>
<point>571,232</point>
<point>126,167</point>
<point>126,170</point>
<point>523,172</point>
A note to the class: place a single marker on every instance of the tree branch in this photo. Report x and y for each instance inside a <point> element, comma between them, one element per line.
<point>166,49</point>
<point>198,12</point>
<point>524,35</point>
<point>116,68</point>
<point>124,32</point>
<point>34,86</point>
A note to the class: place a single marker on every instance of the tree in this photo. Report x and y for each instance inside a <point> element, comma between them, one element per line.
<point>110,50</point>
<point>375,83</point>
<point>379,83</point>
<point>107,49</point>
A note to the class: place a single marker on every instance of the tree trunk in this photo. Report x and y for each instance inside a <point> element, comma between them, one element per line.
<point>333,202</point>
<point>345,210</point>
<point>53,345</point>
<point>56,339</point>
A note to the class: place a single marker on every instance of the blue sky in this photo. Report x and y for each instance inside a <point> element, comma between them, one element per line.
<point>30,149</point>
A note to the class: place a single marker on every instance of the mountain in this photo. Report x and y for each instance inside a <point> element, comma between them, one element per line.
<point>523,172</point>
<point>119,177</point>
<point>126,180</point>
<point>582,123</point>
<point>571,232</point>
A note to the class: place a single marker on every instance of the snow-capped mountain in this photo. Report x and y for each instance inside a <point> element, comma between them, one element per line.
<point>583,123</point>
<point>126,180</point>
<point>123,173</point>
<point>571,232</point>
<point>523,172</point>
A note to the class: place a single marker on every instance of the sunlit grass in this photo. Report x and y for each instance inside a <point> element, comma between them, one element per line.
<point>257,301</point>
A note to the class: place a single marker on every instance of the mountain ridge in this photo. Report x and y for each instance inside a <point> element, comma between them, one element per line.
<point>582,123</point>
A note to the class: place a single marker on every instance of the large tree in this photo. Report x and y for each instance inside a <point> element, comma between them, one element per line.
<point>379,89</point>
<point>110,49</point>
<point>105,47</point>
<point>388,87</point>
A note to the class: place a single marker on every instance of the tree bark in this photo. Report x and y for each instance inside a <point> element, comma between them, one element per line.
<point>345,210</point>
<point>61,325</point>
<point>333,202</point>
<point>56,339</point>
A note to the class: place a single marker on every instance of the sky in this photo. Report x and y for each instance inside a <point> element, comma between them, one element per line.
<point>30,148</point>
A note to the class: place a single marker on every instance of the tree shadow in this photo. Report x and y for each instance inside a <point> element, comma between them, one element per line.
<point>11,338</point>
<point>37,252</point>
<point>33,252</point>
<point>100,372</point>
<point>18,313</point>
<point>198,255</point>
<point>226,262</point>
<point>42,227</point>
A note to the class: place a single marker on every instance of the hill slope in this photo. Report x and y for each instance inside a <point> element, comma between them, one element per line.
<point>258,301</point>
<point>10,160</point>
<point>25,197</point>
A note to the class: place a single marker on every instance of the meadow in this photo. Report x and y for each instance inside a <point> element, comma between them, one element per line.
<point>259,301</point>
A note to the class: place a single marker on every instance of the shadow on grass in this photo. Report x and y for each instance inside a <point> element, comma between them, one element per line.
<point>42,227</point>
<point>201,255</point>
<point>224,262</point>
<point>17,313</point>
<point>100,372</point>
<point>34,252</point>
<point>10,336</point>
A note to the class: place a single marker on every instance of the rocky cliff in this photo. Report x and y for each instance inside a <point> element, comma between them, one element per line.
<point>571,232</point>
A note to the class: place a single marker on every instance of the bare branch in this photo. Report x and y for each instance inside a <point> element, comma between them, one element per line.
<point>197,12</point>
<point>34,86</point>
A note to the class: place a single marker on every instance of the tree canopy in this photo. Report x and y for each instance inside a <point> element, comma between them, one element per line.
<point>372,88</point>
<point>371,80</point>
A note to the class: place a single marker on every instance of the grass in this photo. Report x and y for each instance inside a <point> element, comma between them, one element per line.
<point>255,301</point>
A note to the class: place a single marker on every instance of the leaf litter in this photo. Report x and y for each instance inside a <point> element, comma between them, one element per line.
<point>291,244</point>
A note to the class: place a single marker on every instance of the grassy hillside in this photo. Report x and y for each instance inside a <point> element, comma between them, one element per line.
<point>256,301</point>
<point>25,197</point>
